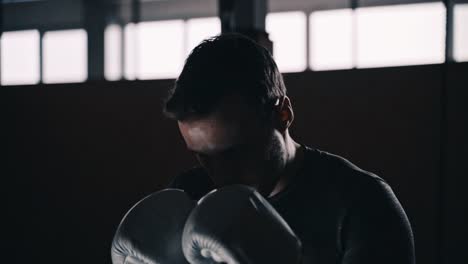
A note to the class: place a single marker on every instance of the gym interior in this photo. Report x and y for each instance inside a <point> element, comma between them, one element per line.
<point>384,83</point>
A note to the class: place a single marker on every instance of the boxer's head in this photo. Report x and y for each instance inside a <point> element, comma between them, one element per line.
<point>232,110</point>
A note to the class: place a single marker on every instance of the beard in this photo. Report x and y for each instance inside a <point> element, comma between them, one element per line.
<point>274,163</point>
<point>260,166</point>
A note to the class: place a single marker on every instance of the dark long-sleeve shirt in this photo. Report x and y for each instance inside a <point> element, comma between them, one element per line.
<point>341,213</point>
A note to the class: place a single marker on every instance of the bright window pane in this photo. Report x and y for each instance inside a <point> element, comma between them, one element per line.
<point>130,39</point>
<point>400,35</point>
<point>160,47</point>
<point>331,38</point>
<point>199,29</point>
<point>288,32</point>
<point>65,56</point>
<point>112,52</point>
<point>460,44</point>
<point>20,57</point>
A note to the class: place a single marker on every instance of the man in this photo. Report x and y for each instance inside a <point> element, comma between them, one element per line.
<point>233,112</point>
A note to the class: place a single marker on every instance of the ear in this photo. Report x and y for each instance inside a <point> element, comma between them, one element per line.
<point>284,113</point>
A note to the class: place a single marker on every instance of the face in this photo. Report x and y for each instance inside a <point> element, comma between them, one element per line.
<point>235,146</point>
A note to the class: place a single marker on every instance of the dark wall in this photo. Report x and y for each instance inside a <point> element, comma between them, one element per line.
<point>77,156</point>
<point>454,183</point>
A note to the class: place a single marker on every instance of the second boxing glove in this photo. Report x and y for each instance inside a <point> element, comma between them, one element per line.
<point>236,225</point>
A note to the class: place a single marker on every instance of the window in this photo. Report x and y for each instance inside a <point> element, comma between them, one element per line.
<point>400,35</point>
<point>199,29</point>
<point>160,49</point>
<point>130,58</point>
<point>287,30</point>
<point>65,56</point>
<point>157,49</point>
<point>460,32</point>
<point>20,57</point>
<point>331,39</point>
<point>113,53</point>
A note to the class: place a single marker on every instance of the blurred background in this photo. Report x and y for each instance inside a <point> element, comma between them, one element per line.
<point>383,83</point>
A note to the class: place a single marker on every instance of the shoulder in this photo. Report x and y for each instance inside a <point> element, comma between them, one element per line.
<point>363,194</point>
<point>370,213</point>
<point>345,178</point>
<point>343,167</point>
<point>194,181</point>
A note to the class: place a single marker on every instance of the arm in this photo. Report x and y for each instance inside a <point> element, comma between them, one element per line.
<point>376,228</point>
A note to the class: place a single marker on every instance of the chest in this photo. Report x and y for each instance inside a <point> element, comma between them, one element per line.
<point>317,219</point>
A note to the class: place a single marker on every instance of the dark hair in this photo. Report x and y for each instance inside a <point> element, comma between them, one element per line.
<point>221,66</point>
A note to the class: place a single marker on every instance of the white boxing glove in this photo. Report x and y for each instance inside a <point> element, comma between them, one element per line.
<point>236,225</point>
<point>151,231</point>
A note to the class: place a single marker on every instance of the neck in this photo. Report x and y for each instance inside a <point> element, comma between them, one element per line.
<point>294,156</point>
